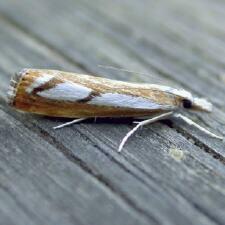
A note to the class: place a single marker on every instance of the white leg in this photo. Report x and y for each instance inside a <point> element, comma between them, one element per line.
<point>69,123</point>
<point>192,123</point>
<point>140,124</point>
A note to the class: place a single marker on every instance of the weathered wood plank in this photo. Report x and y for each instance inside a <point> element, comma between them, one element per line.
<point>80,23</point>
<point>100,162</point>
<point>133,187</point>
<point>192,195</point>
<point>39,184</point>
<point>57,195</point>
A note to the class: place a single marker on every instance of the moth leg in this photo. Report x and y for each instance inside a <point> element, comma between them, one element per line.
<point>143,123</point>
<point>69,123</point>
<point>192,123</point>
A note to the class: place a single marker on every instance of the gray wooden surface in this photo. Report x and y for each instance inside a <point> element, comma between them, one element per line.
<point>165,175</point>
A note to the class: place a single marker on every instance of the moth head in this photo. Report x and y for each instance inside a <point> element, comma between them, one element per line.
<point>189,102</point>
<point>196,104</point>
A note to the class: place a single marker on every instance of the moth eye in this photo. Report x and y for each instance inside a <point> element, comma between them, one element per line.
<point>187,104</point>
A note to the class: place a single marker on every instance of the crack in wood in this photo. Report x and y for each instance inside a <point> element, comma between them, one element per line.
<point>200,144</point>
<point>102,179</point>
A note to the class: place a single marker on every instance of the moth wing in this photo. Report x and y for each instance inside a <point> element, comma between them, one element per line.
<point>128,101</point>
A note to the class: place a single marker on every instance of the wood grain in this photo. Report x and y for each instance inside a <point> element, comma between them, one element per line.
<point>167,174</point>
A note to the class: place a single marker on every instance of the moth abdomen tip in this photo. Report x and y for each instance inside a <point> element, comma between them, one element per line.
<point>13,86</point>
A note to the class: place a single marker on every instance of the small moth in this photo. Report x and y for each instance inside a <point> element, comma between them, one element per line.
<point>62,94</point>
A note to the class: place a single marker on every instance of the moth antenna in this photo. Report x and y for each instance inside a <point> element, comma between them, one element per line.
<point>140,124</point>
<point>128,71</point>
<point>192,123</point>
<point>69,123</point>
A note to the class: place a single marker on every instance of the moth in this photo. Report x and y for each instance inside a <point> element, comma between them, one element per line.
<point>62,94</point>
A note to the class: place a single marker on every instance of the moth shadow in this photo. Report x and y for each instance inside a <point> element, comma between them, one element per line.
<point>99,120</point>
<point>107,120</point>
